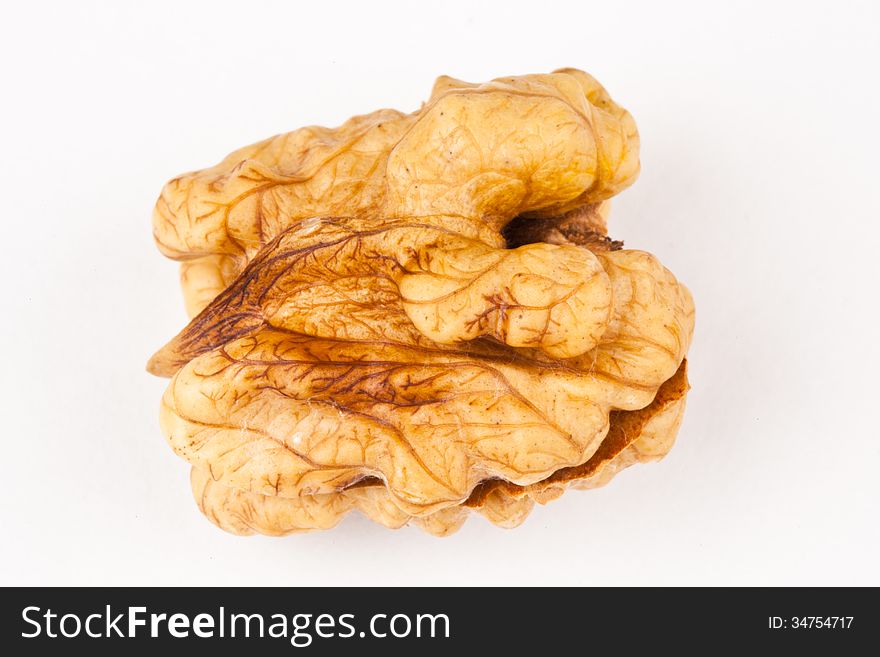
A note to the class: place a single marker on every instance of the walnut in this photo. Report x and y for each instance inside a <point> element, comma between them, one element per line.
<point>418,315</point>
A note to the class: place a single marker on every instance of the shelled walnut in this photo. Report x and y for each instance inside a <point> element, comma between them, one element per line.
<point>416,315</point>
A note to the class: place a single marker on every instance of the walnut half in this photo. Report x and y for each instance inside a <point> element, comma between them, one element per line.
<point>419,315</point>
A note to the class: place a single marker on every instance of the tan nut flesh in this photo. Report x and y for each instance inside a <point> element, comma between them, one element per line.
<point>634,437</point>
<point>417,315</point>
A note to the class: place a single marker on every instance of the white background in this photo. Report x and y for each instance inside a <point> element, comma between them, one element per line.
<point>759,189</point>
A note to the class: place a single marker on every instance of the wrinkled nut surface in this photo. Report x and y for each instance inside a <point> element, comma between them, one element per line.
<point>418,315</point>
